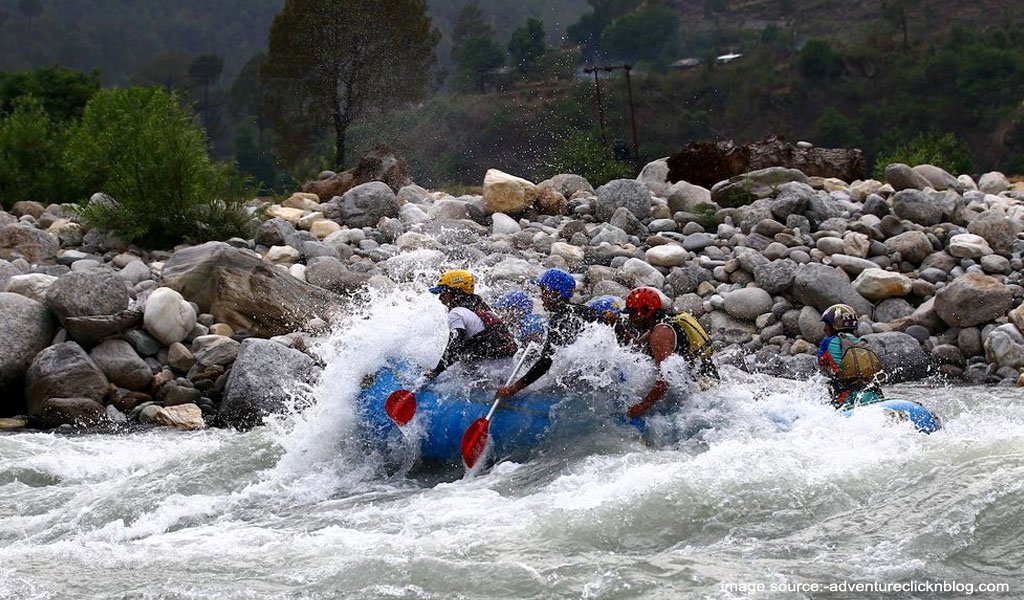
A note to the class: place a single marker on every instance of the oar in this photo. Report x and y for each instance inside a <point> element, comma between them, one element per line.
<point>401,404</point>
<point>475,439</point>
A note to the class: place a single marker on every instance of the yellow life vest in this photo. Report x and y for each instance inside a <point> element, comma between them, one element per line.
<point>698,341</point>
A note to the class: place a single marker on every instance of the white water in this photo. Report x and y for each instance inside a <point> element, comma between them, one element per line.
<point>769,487</point>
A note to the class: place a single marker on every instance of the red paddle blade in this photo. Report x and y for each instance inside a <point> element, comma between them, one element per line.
<point>474,441</point>
<point>401,406</point>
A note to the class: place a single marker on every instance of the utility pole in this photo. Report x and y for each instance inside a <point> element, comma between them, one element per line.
<point>600,109</point>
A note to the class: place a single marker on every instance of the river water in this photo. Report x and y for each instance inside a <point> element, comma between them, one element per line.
<point>768,493</point>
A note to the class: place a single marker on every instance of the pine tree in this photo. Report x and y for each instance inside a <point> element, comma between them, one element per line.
<point>331,61</point>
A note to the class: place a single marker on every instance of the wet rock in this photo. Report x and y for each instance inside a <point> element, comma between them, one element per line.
<point>86,294</point>
<point>264,375</point>
<point>63,371</point>
<point>902,356</point>
<point>121,365</point>
<point>27,329</point>
<point>79,412</point>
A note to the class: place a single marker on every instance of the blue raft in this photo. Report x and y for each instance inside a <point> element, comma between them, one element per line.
<point>517,427</point>
<point>902,410</point>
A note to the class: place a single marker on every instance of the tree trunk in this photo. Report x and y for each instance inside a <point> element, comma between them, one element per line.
<point>342,119</point>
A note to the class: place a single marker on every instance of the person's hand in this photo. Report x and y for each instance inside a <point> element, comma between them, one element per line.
<point>505,392</point>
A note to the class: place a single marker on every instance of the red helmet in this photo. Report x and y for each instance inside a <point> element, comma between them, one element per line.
<point>643,302</point>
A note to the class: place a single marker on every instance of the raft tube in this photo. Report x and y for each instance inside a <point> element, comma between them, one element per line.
<point>902,410</point>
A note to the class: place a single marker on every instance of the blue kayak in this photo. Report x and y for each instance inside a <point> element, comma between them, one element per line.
<point>902,410</point>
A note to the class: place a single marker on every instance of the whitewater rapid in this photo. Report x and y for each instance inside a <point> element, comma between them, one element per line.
<point>767,493</point>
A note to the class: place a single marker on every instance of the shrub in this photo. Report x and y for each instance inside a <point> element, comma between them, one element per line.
<point>141,147</point>
<point>944,150</point>
<point>30,150</point>
<point>583,154</point>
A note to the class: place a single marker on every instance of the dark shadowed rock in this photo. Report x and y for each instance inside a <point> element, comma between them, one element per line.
<point>378,165</point>
<point>902,356</point>
<point>27,329</point>
<point>244,291</point>
<point>366,204</point>
<point>263,376</point>
<point>63,371</point>
<point>121,365</point>
<point>54,412</point>
<point>822,286</point>
<point>917,207</point>
<point>775,277</point>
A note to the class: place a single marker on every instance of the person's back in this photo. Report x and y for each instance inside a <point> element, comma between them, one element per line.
<point>853,368</point>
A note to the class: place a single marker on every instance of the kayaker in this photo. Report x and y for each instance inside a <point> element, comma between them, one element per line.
<point>565,322</point>
<point>852,367</point>
<point>516,310</point>
<point>663,334</point>
<point>475,332</point>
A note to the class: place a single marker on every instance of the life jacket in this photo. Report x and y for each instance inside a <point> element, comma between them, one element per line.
<point>697,347</point>
<point>496,335</point>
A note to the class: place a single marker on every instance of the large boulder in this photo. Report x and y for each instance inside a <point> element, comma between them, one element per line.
<point>748,187</point>
<point>27,329</point>
<point>567,184</point>
<point>54,412</point>
<point>775,277</point>
<point>973,299</point>
<point>506,193</point>
<point>902,356</point>
<point>903,177</point>
<point>917,207</point>
<point>242,290</point>
<point>878,284</point>
<point>380,164</point>
<point>997,229</point>
<point>939,179</point>
<point>627,193</point>
<point>34,245</point>
<point>63,371</point>
<point>747,303</point>
<point>91,293</point>
<point>168,317</point>
<point>686,197</point>
<point>365,205</point>
<point>1004,346</point>
<point>122,365</point>
<point>822,286</point>
<point>262,379</point>
<point>913,246</point>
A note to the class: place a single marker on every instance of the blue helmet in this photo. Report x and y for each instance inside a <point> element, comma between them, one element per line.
<point>516,300</point>
<point>557,280</point>
<point>603,304</point>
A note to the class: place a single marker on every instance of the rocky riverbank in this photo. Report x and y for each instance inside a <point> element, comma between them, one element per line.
<point>97,331</point>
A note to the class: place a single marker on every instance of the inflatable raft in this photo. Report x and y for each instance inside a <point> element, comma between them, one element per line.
<point>518,426</point>
<point>902,410</point>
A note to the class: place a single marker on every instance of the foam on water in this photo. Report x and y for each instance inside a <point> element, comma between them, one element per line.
<point>757,480</point>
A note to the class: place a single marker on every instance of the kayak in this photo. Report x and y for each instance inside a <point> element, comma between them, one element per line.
<point>901,410</point>
<point>518,426</point>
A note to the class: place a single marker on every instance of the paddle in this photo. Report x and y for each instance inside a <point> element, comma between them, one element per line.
<point>401,405</point>
<point>475,439</point>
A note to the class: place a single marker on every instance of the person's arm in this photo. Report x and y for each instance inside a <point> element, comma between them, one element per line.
<point>662,341</point>
<point>456,340</point>
<point>537,371</point>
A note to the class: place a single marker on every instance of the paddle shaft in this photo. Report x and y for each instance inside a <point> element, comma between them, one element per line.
<point>511,378</point>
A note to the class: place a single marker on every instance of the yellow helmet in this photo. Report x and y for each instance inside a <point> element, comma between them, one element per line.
<point>458,280</point>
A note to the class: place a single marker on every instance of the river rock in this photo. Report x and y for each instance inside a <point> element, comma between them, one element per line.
<point>187,417</point>
<point>121,365</point>
<point>168,317</point>
<point>627,193</point>
<point>1004,346</point>
<point>968,245</point>
<point>821,286</point>
<point>27,329</point>
<point>878,284</point>
<point>993,182</point>
<point>997,229</point>
<point>903,177</point>
<point>31,285</point>
<point>892,309</point>
<point>913,246</point>
<point>939,179</point>
<point>263,376</point>
<point>568,184</point>
<point>79,412</point>
<point>687,197</point>
<point>635,272</point>
<point>506,193</point>
<point>243,291</point>
<point>366,204</point>
<point>549,201</point>
<point>902,356</point>
<point>573,255</point>
<point>747,303</point>
<point>973,299</point>
<point>667,255</point>
<point>917,207</point>
<point>87,293</point>
<point>63,371</point>
<point>34,245</point>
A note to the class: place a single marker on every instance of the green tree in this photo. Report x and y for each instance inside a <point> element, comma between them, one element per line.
<point>30,9</point>
<point>205,70</point>
<point>583,153</point>
<point>63,93</point>
<point>836,130</point>
<point>651,34</point>
<point>473,48</point>
<point>897,13</point>
<point>30,155</point>
<point>587,31</point>
<point>337,60</point>
<point>944,150</point>
<point>819,61</point>
<point>169,70</point>
<point>146,151</point>
<point>527,46</point>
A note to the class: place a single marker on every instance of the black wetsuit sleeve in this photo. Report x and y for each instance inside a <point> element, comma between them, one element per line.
<point>540,367</point>
<point>456,341</point>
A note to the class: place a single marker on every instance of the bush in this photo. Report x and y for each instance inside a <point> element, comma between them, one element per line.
<point>30,151</point>
<point>141,147</point>
<point>582,153</point>
<point>944,150</point>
